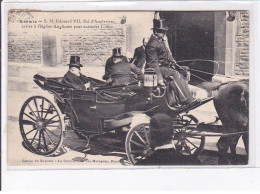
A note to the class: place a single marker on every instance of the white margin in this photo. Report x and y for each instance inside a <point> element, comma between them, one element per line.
<point>171,177</point>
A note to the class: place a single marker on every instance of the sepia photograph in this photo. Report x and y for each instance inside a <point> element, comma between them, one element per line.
<point>128,88</point>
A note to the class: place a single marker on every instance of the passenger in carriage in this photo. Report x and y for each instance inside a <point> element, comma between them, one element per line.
<point>139,57</point>
<point>109,64</point>
<point>159,57</point>
<point>121,71</point>
<point>73,77</point>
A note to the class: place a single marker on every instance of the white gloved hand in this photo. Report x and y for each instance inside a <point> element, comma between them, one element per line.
<point>87,85</point>
<point>161,83</point>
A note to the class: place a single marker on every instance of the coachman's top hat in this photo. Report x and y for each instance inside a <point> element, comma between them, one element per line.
<point>160,24</point>
<point>117,52</point>
<point>75,61</point>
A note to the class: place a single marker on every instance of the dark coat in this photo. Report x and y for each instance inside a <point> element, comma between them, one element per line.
<point>157,54</point>
<point>108,66</point>
<point>139,57</point>
<point>121,73</point>
<point>77,82</point>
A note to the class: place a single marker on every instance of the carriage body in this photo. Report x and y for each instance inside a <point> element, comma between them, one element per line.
<point>100,110</point>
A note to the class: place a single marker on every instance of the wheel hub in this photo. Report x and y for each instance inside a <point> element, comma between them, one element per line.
<point>147,151</point>
<point>39,125</point>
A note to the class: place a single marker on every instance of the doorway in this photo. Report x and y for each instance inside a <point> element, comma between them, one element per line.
<point>191,36</point>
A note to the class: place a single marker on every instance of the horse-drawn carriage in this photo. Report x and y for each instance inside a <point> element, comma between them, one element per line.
<point>103,109</point>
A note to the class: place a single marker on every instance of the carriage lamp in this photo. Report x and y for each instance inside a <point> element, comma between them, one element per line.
<point>150,78</point>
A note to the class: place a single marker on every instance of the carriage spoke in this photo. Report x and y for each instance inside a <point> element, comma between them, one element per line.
<point>39,143</point>
<point>146,134</point>
<point>29,117</point>
<point>32,111</point>
<point>30,131</point>
<point>186,149</point>
<point>34,136</point>
<point>48,121</point>
<point>44,141</point>
<point>42,108</point>
<point>51,132</point>
<point>191,143</point>
<point>137,152</point>
<point>36,108</point>
<point>47,112</point>
<point>178,141</point>
<point>27,122</point>
<point>49,138</point>
<point>53,125</point>
<point>54,122</point>
<point>138,144</point>
<point>138,135</point>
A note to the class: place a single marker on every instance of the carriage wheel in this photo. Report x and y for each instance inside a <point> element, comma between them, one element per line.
<point>41,125</point>
<point>188,144</point>
<point>137,143</point>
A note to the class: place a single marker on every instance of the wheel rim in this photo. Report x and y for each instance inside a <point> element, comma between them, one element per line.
<point>187,144</point>
<point>41,125</point>
<point>138,145</point>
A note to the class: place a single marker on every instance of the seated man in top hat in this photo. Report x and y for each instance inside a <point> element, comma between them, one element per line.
<point>110,62</point>
<point>121,71</point>
<point>139,57</point>
<point>73,77</point>
<point>159,57</point>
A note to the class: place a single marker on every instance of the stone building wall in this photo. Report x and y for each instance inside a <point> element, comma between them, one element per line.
<point>24,48</point>
<point>41,37</point>
<point>94,46</point>
<point>242,44</point>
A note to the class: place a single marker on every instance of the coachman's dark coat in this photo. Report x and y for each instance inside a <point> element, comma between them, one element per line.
<point>157,53</point>
<point>159,57</point>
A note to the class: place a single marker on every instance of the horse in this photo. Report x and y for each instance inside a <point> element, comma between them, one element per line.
<point>231,101</point>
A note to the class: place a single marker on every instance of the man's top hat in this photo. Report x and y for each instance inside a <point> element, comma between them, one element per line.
<point>75,61</point>
<point>160,24</point>
<point>117,52</point>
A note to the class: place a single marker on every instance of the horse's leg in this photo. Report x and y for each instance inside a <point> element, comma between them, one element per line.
<point>233,144</point>
<point>223,145</point>
<point>245,140</point>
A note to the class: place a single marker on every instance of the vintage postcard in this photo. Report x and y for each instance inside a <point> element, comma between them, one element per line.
<point>128,88</point>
